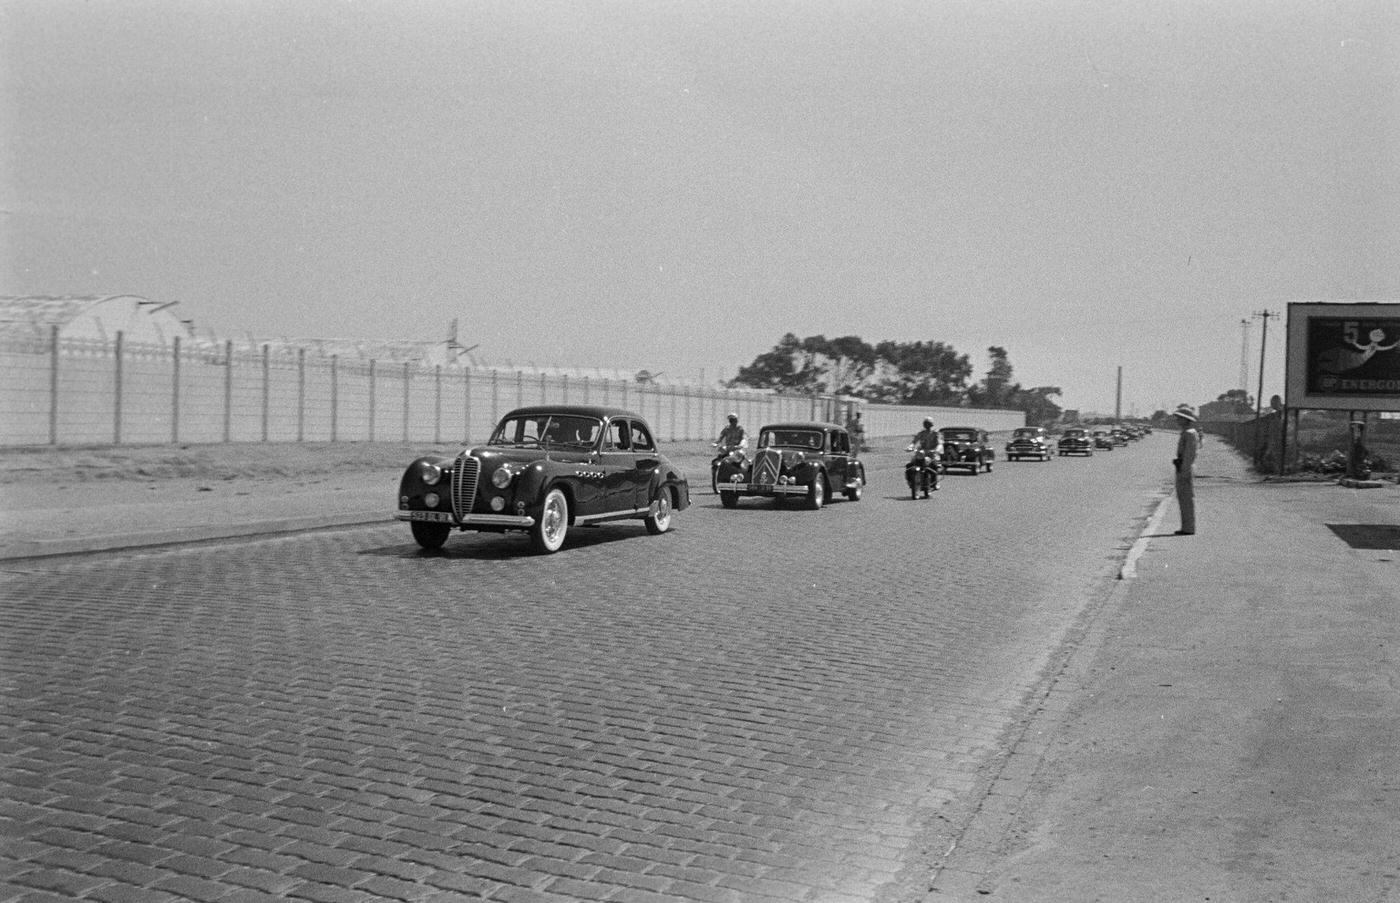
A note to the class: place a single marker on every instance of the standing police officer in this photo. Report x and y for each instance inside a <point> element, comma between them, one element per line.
<point>1187,444</point>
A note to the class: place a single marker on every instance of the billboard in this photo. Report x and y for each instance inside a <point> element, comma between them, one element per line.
<point>1344,356</point>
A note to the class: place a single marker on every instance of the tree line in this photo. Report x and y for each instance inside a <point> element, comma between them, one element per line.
<point>915,373</point>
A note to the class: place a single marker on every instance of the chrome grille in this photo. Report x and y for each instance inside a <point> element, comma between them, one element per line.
<point>766,467</point>
<point>465,473</point>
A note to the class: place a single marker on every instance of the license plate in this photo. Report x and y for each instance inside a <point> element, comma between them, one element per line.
<point>433,517</point>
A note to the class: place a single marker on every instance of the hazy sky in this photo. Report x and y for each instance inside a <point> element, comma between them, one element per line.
<point>674,185</point>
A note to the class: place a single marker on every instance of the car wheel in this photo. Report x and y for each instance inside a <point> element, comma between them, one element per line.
<point>430,536</point>
<point>729,499</point>
<point>660,522</point>
<point>547,535</point>
<point>816,492</point>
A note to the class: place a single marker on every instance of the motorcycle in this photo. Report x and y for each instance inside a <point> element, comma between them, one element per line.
<point>922,472</point>
<point>731,453</point>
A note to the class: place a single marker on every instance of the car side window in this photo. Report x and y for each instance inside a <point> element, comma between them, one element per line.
<point>618,438</point>
<point>641,439</point>
<point>840,443</point>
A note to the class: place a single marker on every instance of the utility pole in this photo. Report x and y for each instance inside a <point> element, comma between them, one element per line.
<point>1263,344</point>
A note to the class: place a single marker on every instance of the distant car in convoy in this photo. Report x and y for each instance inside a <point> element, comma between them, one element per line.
<point>1103,440</point>
<point>1119,436</point>
<point>1029,442</point>
<point>1076,441</point>
<point>805,460</point>
<point>544,470</point>
<point>968,448</point>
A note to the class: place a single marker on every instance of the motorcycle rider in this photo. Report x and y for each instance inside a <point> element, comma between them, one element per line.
<point>732,438</point>
<point>930,441</point>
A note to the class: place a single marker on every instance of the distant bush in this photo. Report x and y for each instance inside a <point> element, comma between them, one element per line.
<point>1332,462</point>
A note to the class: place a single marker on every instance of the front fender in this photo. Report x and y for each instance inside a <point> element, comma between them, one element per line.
<point>530,484</point>
<point>412,482</point>
<point>727,470</point>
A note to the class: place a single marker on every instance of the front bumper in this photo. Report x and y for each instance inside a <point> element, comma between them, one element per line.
<point>521,522</point>
<point>765,489</point>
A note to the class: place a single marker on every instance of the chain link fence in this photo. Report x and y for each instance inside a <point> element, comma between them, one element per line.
<point>82,392</point>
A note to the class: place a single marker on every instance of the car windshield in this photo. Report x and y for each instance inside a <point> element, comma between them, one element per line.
<point>811,439</point>
<point>547,431</point>
<point>960,435</point>
<point>1026,434</point>
<point>1074,434</point>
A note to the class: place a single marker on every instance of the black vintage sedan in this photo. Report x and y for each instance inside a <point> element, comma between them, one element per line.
<point>1076,441</point>
<point>1028,442</point>
<point>805,460</point>
<point>545,469</point>
<point>967,447</point>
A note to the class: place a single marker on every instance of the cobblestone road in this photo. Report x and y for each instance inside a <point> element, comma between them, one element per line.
<point>765,704</point>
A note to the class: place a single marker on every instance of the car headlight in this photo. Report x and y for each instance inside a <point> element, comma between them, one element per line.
<point>502,476</point>
<point>431,500</point>
<point>430,474</point>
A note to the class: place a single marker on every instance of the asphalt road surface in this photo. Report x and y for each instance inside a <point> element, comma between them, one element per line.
<point>765,703</point>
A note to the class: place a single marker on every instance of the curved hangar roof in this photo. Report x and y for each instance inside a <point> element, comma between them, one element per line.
<point>31,318</point>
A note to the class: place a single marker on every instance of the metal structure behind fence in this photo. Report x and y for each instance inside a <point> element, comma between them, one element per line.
<point>79,392</point>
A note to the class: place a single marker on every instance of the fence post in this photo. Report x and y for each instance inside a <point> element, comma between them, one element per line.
<point>265,394</point>
<point>495,396</point>
<point>519,388</point>
<point>335,394</point>
<point>117,393</point>
<point>564,388</point>
<point>175,392</point>
<point>437,404</point>
<point>542,389</point>
<point>405,401</point>
<point>301,394</point>
<point>53,385</point>
<point>466,407</point>
<point>228,390</point>
<point>371,399</point>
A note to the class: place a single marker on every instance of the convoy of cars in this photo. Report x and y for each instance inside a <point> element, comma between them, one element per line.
<point>549,468</point>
